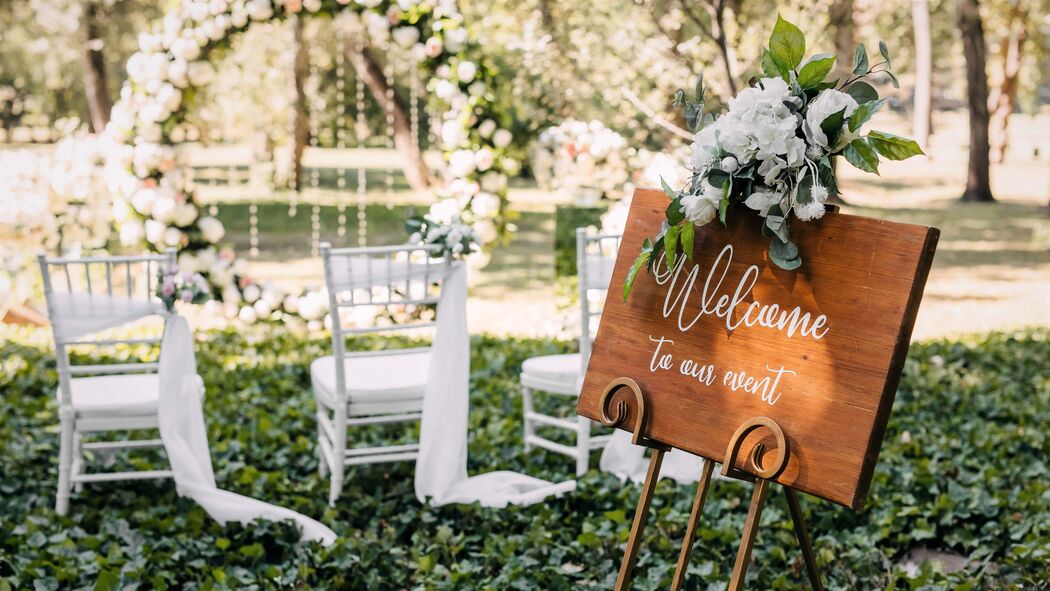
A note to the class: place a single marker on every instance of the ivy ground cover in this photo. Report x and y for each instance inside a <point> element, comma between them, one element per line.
<point>963,470</point>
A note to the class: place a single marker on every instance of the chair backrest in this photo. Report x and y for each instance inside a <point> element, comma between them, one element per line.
<point>379,290</point>
<point>595,259</point>
<point>90,295</point>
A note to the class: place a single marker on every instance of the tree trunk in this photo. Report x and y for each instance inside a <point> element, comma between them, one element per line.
<point>1004,98</point>
<point>96,93</point>
<point>301,123</point>
<point>978,184</point>
<point>922,105</point>
<point>725,49</point>
<point>840,17</point>
<point>415,167</point>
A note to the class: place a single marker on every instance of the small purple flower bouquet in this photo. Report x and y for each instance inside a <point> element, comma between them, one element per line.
<point>173,286</point>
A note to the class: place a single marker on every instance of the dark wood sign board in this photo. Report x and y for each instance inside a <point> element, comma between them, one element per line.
<point>829,384</point>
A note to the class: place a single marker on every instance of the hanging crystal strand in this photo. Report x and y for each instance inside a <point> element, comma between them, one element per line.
<point>293,201</point>
<point>413,99</point>
<point>360,131</point>
<point>340,130</point>
<point>315,172</point>
<point>388,73</point>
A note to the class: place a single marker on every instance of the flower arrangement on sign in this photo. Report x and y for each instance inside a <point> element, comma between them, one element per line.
<point>772,151</point>
<point>181,286</point>
<point>455,239</point>
<point>586,160</point>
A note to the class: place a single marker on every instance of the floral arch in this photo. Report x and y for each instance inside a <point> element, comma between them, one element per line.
<point>153,207</point>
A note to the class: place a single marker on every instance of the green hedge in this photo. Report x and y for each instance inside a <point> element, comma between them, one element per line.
<point>566,219</point>
<point>963,469</point>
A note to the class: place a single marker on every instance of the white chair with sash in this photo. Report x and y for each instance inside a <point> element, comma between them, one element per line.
<point>86,297</point>
<point>563,374</point>
<point>370,387</point>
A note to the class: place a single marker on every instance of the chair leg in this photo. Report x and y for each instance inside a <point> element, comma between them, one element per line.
<point>322,461</point>
<point>65,460</point>
<point>78,460</point>
<point>526,409</point>
<point>338,466</point>
<point>583,445</point>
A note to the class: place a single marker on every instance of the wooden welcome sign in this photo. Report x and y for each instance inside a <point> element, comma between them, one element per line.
<point>729,337</point>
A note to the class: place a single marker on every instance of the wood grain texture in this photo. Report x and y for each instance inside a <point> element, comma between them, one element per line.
<point>865,275</point>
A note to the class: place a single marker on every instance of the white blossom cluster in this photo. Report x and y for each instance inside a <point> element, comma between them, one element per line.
<point>761,128</point>
<point>151,203</point>
<point>578,157</point>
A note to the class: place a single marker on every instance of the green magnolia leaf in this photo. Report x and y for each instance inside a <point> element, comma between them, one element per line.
<point>864,113</point>
<point>815,69</point>
<point>860,60</point>
<point>892,146</point>
<point>787,44</point>
<point>771,69</point>
<point>783,250</point>
<point>674,211</point>
<point>686,237</point>
<point>885,51</point>
<point>832,125</point>
<point>862,92</point>
<point>671,245</point>
<point>860,154</point>
<point>632,274</point>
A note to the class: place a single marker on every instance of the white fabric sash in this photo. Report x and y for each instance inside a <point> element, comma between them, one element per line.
<point>186,441</point>
<point>628,461</point>
<point>441,468</point>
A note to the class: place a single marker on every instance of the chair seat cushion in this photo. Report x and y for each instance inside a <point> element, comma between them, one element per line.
<point>126,395</point>
<point>560,368</point>
<point>381,378</point>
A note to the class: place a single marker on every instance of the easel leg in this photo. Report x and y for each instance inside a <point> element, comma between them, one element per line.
<point>803,539</point>
<point>623,581</point>
<point>694,522</point>
<point>747,540</point>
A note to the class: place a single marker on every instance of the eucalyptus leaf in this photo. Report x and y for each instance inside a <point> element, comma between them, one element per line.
<point>860,60</point>
<point>860,154</point>
<point>885,51</point>
<point>667,189</point>
<point>893,79</point>
<point>717,177</point>
<point>862,92</point>
<point>786,264</point>
<point>894,147</point>
<point>787,44</point>
<point>783,250</point>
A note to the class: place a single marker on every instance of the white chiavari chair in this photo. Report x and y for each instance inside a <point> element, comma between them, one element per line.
<point>366,287</point>
<point>86,297</point>
<point>563,374</point>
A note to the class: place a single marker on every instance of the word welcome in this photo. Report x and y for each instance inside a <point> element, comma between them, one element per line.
<point>765,387</point>
<point>712,303</point>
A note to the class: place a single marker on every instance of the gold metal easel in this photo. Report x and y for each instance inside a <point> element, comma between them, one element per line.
<point>762,476</point>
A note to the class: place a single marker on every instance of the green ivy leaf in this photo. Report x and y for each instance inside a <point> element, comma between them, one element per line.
<point>864,113</point>
<point>815,69</point>
<point>687,238</point>
<point>787,44</point>
<point>894,147</point>
<point>860,60</point>
<point>671,245</point>
<point>860,154</point>
<point>632,274</point>
<point>862,92</point>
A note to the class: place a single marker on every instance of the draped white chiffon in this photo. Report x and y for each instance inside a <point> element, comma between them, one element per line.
<point>186,441</point>
<point>441,468</point>
<point>628,461</point>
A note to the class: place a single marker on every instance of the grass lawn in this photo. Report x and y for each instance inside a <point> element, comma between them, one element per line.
<point>963,470</point>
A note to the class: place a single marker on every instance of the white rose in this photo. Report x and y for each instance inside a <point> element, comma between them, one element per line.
<point>445,210</point>
<point>178,73</point>
<point>262,308</point>
<point>211,229</point>
<point>466,71</point>
<point>291,304</point>
<point>485,205</point>
<point>452,134</point>
<point>502,138</point>
<point>827,103</point>
<point>200,73</point>
<point>260,10</point>
<point>455,40</point>
<point>143,200</point>
<point>312,5</point>
<point>486,128</point>
<point>484,159</point>
<point>247,315</point>
<point>154,231</point>
<point>131,233</point>
<point>461,163</point>
<point>172,237</point>
<point>701,209</point>
<point>239,18</point>
<point>164,206</point>
<point>185,214</point>
<point>493,182</point>
<point>251,293</point>
<point>405,36</point>
<point>185,49</point>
